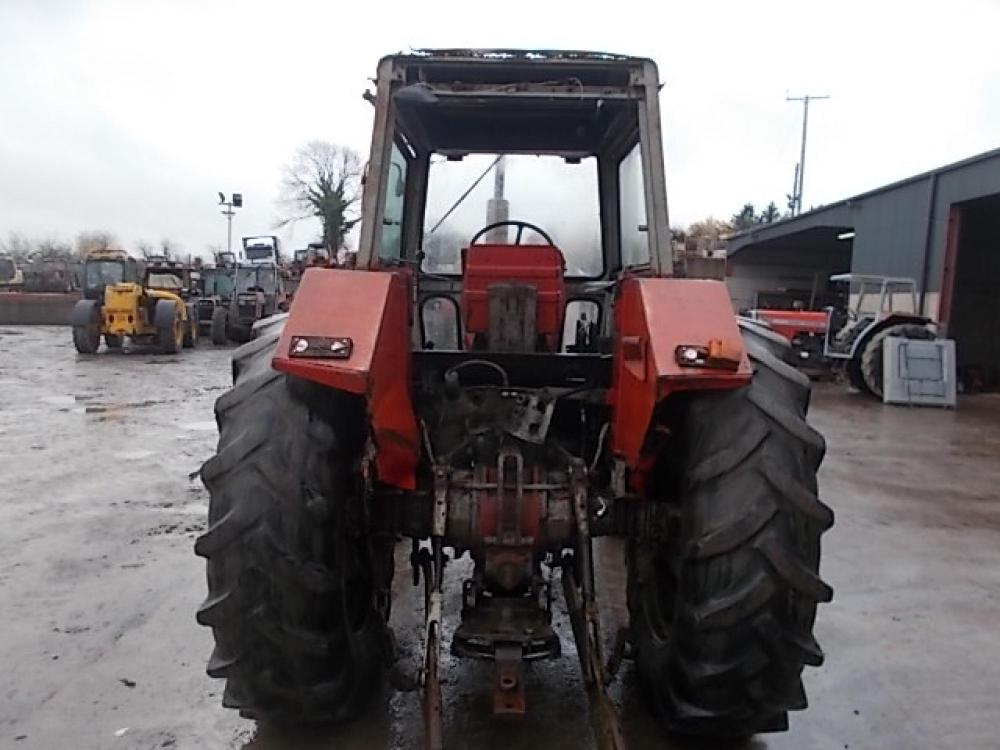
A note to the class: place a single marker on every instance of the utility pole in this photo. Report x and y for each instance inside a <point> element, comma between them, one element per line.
<point>793,196</point>
<point>801,171</point>
<point>497,208</point>
<point>235,202</point>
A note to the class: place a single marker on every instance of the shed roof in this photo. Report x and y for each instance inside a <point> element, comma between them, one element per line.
<point>836,215</point>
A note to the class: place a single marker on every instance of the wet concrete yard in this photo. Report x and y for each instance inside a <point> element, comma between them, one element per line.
<point>99,584</point>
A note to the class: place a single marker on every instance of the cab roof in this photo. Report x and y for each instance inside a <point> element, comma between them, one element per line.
<point>570,102</point>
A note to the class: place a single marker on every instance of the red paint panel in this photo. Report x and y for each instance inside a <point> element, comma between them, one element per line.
<point>790,323</point>
<point>653,316</point>
<point>372,309</point>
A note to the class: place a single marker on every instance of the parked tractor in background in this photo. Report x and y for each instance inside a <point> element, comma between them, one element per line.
<point>314,255</point>
<point>877,307</point>
<point>258,292</point>
<point>215,292</point>
<point>11,276</point>
<point>120,299</point>
<point>437,396</point>
<point>265,249</point>
<point>805,331</point>
<point>60,274</point>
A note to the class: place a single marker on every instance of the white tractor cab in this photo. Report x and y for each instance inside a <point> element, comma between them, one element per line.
<point>262,250</point>
<point>877,307</point>
<point>11,277</point>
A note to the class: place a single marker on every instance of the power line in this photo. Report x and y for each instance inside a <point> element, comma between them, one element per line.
<point>796,198</point>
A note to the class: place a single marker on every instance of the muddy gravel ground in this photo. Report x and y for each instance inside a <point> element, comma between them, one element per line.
<point>99,584</point>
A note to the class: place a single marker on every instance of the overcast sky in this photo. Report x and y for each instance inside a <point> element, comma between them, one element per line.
<point>130,116</point>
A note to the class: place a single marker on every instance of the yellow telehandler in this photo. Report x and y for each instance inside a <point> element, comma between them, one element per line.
<point>121,299</point>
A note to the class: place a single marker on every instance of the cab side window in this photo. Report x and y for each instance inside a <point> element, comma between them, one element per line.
<point>392,217</point>
<point>632,210</point>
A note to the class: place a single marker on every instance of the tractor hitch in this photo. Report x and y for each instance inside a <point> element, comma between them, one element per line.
<point>507,605</point>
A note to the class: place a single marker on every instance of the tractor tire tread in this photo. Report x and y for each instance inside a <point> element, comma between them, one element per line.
<point>748,580</point>
<point>296,638</point>
<point>870,366</point>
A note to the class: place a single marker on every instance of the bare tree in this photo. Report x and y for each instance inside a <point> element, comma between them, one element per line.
<point>53,249</point>
<point>17,246</point>
<point>323,181</point>
<point>146,249</point>
<point>95,241</point>
<point>169,248</point>
<point>708,227</point>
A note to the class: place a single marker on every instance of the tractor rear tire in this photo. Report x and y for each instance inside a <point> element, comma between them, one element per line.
<point>722,617</point>
<point>220,323</point>
<point>872,354</point>
<point>290,599</point>
<point>855,376</point>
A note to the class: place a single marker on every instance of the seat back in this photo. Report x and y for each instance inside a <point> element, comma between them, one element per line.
<point>504,282</point>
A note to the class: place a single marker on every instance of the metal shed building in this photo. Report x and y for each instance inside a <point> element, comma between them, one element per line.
<point>941,228</point>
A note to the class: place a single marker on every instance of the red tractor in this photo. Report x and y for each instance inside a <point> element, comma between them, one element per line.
<point>508,373</point>
<point>805,331</point>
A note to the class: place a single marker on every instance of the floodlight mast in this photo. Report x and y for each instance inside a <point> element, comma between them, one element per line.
<point>235,202</point>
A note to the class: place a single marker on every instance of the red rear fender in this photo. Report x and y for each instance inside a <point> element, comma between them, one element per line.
<point>350,330</point>
<point>653,319</point>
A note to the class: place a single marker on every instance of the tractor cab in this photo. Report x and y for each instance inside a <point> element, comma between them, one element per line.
<point>252,279</point>
<point>876,308</point>
<point>516,188</point>
<point>104,269</point>
<point>257,291</point>
<point>11,277</point>
<point>868,301</point>
<point>167,276</point>
<point>265,249</point>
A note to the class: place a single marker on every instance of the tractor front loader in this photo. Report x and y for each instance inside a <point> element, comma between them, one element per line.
<point>509,373</point>
<point>119,300</point>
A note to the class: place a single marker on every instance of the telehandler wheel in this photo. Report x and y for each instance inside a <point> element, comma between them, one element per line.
<point>170,335</point>
<point>87,338</point>
<point>290,598</point>
<point>722,618</point>
<point>220,320</point>
<point>112,341</point>
<point>871,356</point>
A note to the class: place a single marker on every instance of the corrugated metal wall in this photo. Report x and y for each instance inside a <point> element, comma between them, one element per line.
<point>900,230</point>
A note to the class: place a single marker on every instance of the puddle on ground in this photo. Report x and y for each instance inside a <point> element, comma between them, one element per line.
<point>99,408</point>
<point>136,455</point>
<point>206,426</point>
<point>59,400</point>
